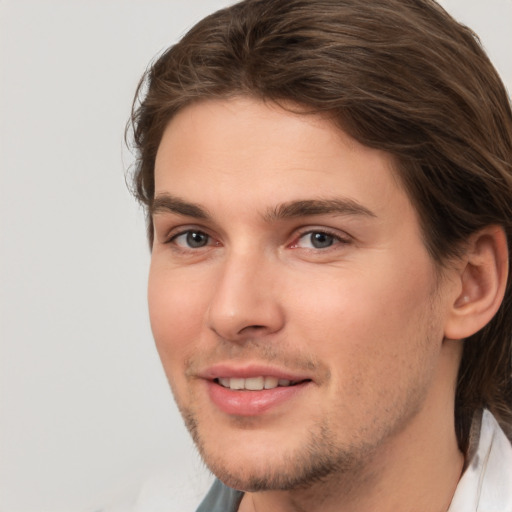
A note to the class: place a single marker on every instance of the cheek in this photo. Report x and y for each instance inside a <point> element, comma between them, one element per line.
<point>371,319</point>
<point>176,310</point>
<point>378,339</point>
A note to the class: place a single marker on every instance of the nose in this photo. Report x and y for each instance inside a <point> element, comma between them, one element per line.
<point>245,304</point>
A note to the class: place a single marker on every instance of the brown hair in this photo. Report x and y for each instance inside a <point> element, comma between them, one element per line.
<point>398,75</point>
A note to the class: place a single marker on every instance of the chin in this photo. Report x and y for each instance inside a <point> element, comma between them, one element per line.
<point>251,464</point>
<point>300,470</point>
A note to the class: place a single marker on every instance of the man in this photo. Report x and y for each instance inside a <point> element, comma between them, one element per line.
<point>329,194</point>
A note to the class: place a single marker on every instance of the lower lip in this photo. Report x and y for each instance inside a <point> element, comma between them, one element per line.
<point>251,403</point>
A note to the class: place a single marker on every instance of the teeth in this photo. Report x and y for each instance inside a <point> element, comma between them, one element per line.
<point>224,382</point>
<point>237,383</point>
<point>271,382</point>
<point>253,383</point>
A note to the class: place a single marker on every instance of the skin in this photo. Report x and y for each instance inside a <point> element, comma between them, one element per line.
<point>363,314</point>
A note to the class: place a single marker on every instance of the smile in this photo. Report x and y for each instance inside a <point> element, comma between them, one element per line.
<point>253,396</point>
<point>254,383</point>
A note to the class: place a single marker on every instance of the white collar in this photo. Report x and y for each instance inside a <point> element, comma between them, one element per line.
<point>486,485</point>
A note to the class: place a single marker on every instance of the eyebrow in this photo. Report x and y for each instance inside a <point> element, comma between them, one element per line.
<point>304,208</point>
<point>166,203</point>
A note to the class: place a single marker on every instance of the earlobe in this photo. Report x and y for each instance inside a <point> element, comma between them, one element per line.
<point>482,282</point>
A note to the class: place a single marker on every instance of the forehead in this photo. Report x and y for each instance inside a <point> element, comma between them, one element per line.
<point>256,154</point>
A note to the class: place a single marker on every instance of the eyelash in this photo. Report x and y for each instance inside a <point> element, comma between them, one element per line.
<point>173,237</point>
<point>335,236</point>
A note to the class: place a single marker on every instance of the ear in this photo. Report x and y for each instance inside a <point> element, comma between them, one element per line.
<point>482,279</point>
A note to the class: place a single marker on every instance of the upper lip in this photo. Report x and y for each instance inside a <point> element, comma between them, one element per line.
<point>246,371</point>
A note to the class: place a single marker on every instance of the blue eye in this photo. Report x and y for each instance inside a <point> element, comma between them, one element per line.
<point>321,240</point>
<point>191,239</point>
<point>316,240</point>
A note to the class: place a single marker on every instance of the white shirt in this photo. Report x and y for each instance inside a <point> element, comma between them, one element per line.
<point>486,485</point>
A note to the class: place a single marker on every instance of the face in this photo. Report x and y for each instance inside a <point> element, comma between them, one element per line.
<point>294,306</point>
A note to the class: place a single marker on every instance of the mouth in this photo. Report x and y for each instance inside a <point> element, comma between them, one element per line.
<point>255,395</point>
<point>256,383</point>
<point>254,389</point>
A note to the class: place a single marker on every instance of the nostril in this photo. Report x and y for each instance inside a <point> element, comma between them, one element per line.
<point>253,328</point>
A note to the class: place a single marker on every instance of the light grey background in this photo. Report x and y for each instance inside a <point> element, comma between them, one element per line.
<point>85,412</point>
